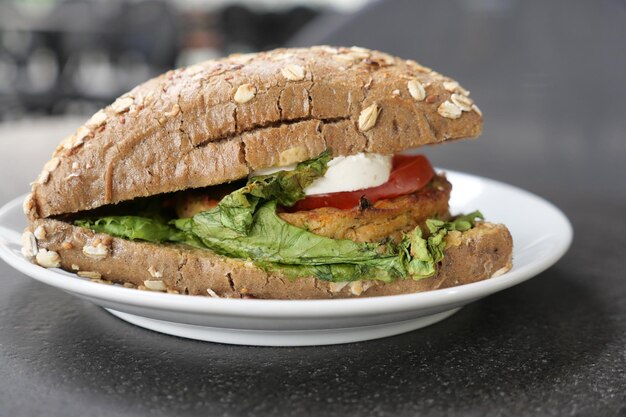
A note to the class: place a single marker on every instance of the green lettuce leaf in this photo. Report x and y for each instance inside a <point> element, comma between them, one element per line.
<point>416,255</point>
<point>236,210</point>
<point>272,240</point>
<point>142,228</point>
<point>439,229</point>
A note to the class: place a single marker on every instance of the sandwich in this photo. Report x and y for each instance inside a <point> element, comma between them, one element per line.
<point>281,175</point>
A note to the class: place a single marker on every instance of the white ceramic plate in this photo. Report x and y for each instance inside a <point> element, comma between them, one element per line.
<point>541,235</point>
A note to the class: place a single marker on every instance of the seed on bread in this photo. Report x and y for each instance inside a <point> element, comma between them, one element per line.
<point>89,274</point>
<point>293,72</point>
<point>368,117</point>
<point>240,58</point>
<point>122,104</point>
<point>461,90</point>
<point>501,271</point>
<point>282,56</point>
<point>72,175</point>
<point>328,49</point>
<point>43,177</point>
<point>28,205</point>
<point>174,111</point>
<point>98,251</point>
<point>82,133</point>
<point>416,89</point>
<point>244,93</point>
<point>40,232</point>
<point>449,110</point>
<point>97,120</point>
<point>450,85</point>
<point>418,67</point>
<point>344,58</point>
<point>52,164</point>
<point>73,142</point>
<point>359,53</point>
<point>462,102</point>
<point>356,288</point>
<point>29,245</point>
<point>359,49</point>
<point>431,99</point>
<point>155,285</point>
<point>359,287</point>
<point>76,140</point>
<point>101,281</point>
<point>477,110</point>
<point>154,273</point>
<point>48,258</point>
<point>336,287</point>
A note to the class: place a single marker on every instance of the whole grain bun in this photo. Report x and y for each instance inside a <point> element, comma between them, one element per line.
<point>215,122</point>
<point>477,254</point>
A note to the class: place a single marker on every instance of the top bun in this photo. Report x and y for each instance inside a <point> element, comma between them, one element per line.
<point>217,121</point>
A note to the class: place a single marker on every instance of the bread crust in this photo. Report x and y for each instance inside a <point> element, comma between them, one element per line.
<point>471,256</point>
<point>215,122</point>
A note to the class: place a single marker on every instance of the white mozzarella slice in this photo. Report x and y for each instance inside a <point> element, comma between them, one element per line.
<point>345,173</point>
<point>351,173</point>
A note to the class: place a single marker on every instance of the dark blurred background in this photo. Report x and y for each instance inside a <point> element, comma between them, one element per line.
<point>72,57</point>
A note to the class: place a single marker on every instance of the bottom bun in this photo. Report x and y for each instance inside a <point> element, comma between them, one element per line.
<point>477,254</point>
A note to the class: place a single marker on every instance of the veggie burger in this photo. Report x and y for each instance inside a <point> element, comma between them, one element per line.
<point>281,174</point>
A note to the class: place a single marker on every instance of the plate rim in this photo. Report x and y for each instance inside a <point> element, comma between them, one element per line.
<point>344,307</point>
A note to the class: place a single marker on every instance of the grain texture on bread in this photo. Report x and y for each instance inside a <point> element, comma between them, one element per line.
<point>215,122</point>
<point>471,256</point>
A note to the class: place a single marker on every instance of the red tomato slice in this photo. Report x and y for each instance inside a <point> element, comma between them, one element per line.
<point>409,173</point>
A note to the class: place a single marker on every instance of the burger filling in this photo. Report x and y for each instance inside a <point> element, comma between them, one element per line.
<point>344,219</point>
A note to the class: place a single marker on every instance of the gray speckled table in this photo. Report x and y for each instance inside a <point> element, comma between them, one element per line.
<point>551,81</point>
